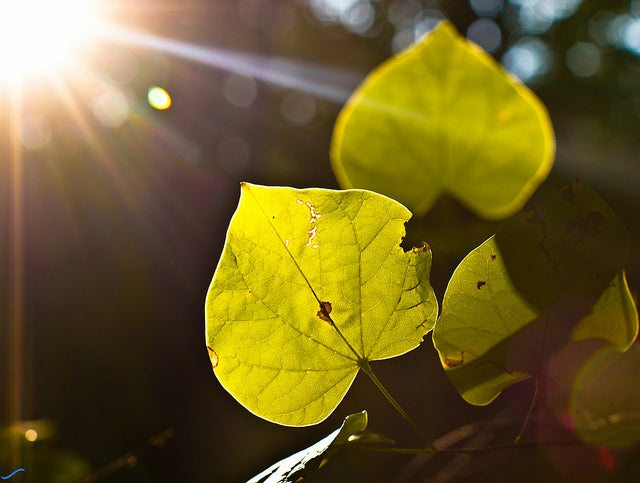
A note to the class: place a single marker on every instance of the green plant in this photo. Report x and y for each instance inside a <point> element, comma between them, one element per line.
<point>313,284</point>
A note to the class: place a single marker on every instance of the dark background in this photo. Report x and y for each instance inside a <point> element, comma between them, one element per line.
<point>124,225</point>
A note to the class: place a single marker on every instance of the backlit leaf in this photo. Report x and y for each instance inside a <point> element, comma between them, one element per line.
<point>443,117</point>
<point>295,262</point>
<point>549,276</point>
<point>306,462</point>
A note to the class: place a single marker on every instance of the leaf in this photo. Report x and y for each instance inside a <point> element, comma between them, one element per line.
<point>443,117</point>
<point>313,284</point>
<point>307,461</point>
<point>614,316</point>
<point>549,276</point>
<point>605,406</point>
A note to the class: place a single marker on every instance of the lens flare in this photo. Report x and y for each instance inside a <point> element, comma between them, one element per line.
<point>38,35</point>
<point>159,98</point>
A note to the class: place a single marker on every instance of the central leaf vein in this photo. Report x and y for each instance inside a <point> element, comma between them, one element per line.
<point>274,312</point>
<point>286,248</point>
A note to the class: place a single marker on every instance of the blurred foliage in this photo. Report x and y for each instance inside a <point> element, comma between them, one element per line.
<point>442,118</point>
<point>40,457</point>
<point>605,405</point>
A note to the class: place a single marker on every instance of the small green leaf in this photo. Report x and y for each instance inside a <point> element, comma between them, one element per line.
<point>549,276</point>
<point>444,117</point>
<point>605,406</point>
<point>307,461</point>
<point>311,285</point>
<point>614,317</point>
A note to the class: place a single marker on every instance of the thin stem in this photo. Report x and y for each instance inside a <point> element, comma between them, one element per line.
<point>470,451</point>
<point>449,439</point>
<point>387,449</point>
<point>130,458</point>
<point>529,413</point>
<point>367,369</point>
<point>503,446</point>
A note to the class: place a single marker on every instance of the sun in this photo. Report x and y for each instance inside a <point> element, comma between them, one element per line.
<point>41,35</point>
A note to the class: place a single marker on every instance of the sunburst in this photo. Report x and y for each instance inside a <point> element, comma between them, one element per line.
<point>41,35</point>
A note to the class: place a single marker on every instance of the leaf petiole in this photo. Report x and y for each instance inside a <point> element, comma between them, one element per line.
<point>529,413</point>
<point>468,451</point>
<point>364,365</point>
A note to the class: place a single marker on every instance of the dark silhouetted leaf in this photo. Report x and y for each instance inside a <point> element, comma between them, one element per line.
<point>549,276</point>
<point>298,466</point>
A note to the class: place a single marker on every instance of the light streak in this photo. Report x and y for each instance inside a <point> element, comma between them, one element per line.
<point>327,83</point>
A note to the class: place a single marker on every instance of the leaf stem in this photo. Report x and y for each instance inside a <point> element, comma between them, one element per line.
<point>505,446</point>
<point>529,413</point>
<point>470,451</point>
<point>364,364</point>
<point>131,458</point>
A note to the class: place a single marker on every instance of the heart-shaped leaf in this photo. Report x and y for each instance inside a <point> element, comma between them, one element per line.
<point>549,276</point>
<point>444,117</point>
<point>313,284</point>
<point>307,461</point>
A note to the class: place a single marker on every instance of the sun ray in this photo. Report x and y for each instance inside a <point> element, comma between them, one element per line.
<point>324,82</point>
<point>16,300</point>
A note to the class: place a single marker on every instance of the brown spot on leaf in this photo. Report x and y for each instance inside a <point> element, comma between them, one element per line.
<point>424,248</point>
<point>493,257</point>
<point>504,115</point>
<point>213,357</point>
<point>325,310</point>
<point>453,362</point>
<point>481,283</point>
